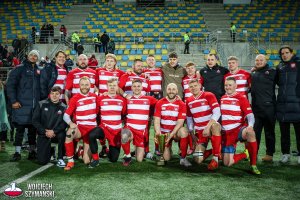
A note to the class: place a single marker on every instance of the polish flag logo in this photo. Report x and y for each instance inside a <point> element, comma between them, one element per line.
<point>13,191</point>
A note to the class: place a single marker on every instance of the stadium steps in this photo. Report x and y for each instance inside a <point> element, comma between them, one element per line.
<point>76,17</point>
<point>216,18</point>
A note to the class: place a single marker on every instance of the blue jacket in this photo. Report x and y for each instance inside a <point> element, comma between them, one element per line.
<point>23,86</point>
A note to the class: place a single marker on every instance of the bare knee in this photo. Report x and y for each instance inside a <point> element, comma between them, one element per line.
<point>183,133</point>
<point>216,129</point>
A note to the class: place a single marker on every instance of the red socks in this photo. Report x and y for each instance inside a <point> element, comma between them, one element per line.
<point>126,148</point>
<point>190,142</point>
<point>95,156</point>
<point>238,157</point>
<point>69,149</point>
<point>216,143</point>
<point>183,146</point>
<point>207,153</point>
<point>252,148</point>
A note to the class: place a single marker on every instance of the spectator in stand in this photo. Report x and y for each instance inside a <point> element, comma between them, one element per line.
<point>33,34</point>
<point>24,43</point>
<point>75,40</point>
<point>104,39</point>
<point>111,46</point>
<point>80,49</point>
<point>1,50</point>
<point>5,52</point>
<point>51,33</point>
<point>69,62</point>
<point>63,33</point>
<point>4,123</point>
<point>44,34</point>
<point>232,31</point>
<point>93,63</point>
<point>15,61</point>
<point>16,44</point>
<point>97,43</point>
<point>43,63</point>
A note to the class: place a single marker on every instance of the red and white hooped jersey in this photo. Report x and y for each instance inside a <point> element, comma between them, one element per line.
<point>104,75</point>
<point>74,76</point>
<point>84,109</point>
<point>111,111</point>
<point>185,86</point>
<point>138,111</point>
<point>126,83</point>
<point>243,81</point>
<point>201,109</point>
<point>155,78</point>
<point>234,109</point>
<point>169,113</point>
<point>61,80</point>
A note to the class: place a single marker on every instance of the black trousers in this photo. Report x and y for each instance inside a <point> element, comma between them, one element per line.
<point>285,136</point>
<point>267,122</point>
<point>44,147</point>
<point>3,135</point>
<point>186,48</point>
<point>98,134</point>
<point>20,134</point>
<point>104,45</point>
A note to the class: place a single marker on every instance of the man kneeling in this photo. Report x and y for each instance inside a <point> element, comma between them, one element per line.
<point>83,108</point>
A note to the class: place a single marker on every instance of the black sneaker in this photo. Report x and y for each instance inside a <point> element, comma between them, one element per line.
<point>103,152</point>
<point>126,161</point>
<point>16,157</point>
<point>32,155</point>
<point>94,163</point>
<point>132,154</point>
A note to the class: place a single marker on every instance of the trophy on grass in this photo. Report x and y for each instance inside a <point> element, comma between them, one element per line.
<point>161,144</point>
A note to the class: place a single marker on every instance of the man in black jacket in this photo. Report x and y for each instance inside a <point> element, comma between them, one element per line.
<point>212,77</point>
<point>104,39</point>
<point>23,90</point>
<point>54,74</point>
<point>288,102</point>
<point>48,120</point>
<point>263,79</point>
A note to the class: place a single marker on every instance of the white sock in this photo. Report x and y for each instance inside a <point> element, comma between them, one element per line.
<point>216,158</point>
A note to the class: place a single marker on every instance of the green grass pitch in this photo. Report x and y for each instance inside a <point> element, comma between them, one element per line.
<point>147,181</point>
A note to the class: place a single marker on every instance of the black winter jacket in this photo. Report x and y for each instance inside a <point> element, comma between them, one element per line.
<point>48,78</point>
<point>288,103</point>
<point>23,86</point>
<point>213,80</point>
<point>48,115</point>
<point>263,89</point>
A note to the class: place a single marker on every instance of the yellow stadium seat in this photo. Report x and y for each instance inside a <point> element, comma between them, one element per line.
<point>151,51</point>
<point>164,51</point>
<point>268,51</point>
<point>123,64</point>
<point>158,46</point>
<point>145,52</point>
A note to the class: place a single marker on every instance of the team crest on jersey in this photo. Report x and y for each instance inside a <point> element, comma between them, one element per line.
<point>293,65</point>
<point>91,76</point>
<point>205,71</point>
<point>119,103</point>
<point>105,103</point>
<point>46,109</point>
<point>59,112</point>
<point>163,108</point>
<point>218,71</point>
<point>102,73</point>
<point>202,103</point>
<point>94,101</point>
<point>80,103</point>
<point>233,103</point>
<point>145,102</point>
<point>77,76</point>
<point>176,109</point>
<point>130,101</point>
<point>240,77</point>
<point>267,72</point>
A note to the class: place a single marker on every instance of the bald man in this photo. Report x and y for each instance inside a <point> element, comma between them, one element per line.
<point>169,117</point>
<point>263,103</point>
